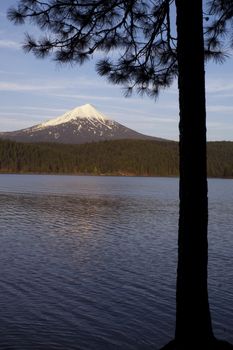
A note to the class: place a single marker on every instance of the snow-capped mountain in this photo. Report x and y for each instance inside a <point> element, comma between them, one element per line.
<point>80,125</point>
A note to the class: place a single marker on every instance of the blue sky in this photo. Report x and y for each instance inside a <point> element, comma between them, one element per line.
<point>33,91</point>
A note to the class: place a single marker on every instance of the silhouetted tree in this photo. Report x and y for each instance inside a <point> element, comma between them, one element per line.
<point>147,57</point>
<point>219,30</point>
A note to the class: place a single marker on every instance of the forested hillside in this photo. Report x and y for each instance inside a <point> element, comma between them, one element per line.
<point>121,157</point>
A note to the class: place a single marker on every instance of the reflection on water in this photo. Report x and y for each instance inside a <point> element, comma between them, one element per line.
<point>90,262</point>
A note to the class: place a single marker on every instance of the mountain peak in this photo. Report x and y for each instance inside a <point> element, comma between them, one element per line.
<point>79,125</point>
<point>86,111</point>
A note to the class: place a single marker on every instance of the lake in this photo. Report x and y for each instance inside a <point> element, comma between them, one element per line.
<point>90,262</point>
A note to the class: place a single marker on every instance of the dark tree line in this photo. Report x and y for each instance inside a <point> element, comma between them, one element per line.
<point>120,157</point>
<point>148,55</point>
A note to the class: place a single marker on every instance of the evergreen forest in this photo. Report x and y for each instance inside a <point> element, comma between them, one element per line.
<point>118,157</point>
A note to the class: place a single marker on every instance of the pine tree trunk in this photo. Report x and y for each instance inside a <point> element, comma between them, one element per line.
<point>193,322</point>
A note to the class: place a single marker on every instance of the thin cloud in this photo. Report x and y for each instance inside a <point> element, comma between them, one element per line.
<point>43,109</point>
<point>15,121</point>
<point>220,109</point>
<point>144,120</point>
<point>214,86</point>
<point>15,110</point>
<point>5,72</point>
<point>19,87</point>
<point>86,97</point>
<point>157,106</point>
<point>18,120</point>
<point>9,44</point>
<point>219,126</point>
<point>144,117</point>
<point>5,86</point>
<point>93,97</point>
<point>54,85</point>
<point>26,116</point>
<point>128,101</point>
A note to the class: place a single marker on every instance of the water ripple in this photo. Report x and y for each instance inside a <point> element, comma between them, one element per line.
<point>90,263</point>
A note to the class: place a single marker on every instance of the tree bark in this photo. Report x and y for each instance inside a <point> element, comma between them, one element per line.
<point>193,321</point>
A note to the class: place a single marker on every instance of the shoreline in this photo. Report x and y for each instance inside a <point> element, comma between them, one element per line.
<point>104,175</point>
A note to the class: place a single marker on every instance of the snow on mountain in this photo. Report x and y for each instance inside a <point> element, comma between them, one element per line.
<point>86,111</point>
<point>80,125</point>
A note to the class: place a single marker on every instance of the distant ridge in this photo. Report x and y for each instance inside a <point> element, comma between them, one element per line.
<point>80,125</point>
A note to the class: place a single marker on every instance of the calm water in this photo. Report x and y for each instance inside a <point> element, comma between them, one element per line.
<point>90,262</point>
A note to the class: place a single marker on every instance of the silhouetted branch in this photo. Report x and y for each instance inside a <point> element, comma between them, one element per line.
<point>138,31</point>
